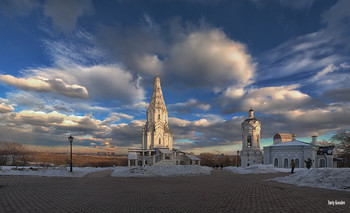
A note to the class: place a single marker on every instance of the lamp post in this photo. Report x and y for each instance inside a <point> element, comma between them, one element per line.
<point>70,139</point>
<point>237,158</point>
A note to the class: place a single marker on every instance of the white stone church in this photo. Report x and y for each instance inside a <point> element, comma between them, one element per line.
<point>157,138</point>
<point>285,148</point>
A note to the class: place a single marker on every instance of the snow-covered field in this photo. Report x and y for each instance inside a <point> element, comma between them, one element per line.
<point>148,171</point>
<point>258,169</point>
<point>163,171</point>
<point>322,178</point>
<point>330,178</point>
<point>48,171</point>
<point>337,178</point>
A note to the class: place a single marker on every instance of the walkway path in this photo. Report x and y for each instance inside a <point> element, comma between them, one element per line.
<point>221,192</point>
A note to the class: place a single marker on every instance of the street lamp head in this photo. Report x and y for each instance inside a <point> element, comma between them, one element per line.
<point>70,139</point>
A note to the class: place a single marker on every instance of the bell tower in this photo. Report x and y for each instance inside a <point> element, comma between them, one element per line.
<point>251,153</point>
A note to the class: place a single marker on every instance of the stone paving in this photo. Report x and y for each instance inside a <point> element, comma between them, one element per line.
<point>222,191</point>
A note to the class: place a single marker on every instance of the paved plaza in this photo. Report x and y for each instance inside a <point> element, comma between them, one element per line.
<point>222,191</point>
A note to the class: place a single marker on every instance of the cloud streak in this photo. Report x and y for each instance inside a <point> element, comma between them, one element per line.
<point>40,84</point>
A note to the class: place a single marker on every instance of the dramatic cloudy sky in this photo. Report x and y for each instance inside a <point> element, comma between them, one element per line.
<point>86,67</point>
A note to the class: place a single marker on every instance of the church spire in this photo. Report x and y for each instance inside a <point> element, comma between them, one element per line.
<point>157,100</point>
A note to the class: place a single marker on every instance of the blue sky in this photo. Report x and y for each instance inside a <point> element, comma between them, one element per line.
<point>86,67</point>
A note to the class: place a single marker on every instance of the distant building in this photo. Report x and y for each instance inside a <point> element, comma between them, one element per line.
<point>157,138</point>
<point>251,153</point>
<point>283,151</point>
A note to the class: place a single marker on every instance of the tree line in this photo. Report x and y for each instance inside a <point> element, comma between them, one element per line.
<point>15,154</point>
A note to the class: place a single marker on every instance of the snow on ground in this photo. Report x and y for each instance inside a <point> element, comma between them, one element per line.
<point>48,171</point>
<point>330,178</point>
<point>156,171</point>
<point>257,169</point>
<point>148,171</point>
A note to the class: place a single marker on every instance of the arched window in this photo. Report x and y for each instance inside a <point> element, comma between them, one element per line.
<point>296,162</point>
<point>275,162</point>
<point>249,141</point>
<point>285,163</point>
<point>160,141</point>
<point>159,116</point>
<point>322,163</point>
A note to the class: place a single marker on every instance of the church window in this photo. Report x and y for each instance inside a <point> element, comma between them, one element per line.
<point>249,141</point>
<point>159,116</point>
<point>160,141</point>
<point>322,163</point>
<point>296,162</point>
<point>285,163</point>
<point>276,162</point>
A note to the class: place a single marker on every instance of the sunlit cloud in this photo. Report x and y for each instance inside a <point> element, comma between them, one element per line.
<point>5,108</point>
<point>208,57</point>
<point>40,84</point>
<point>266,99</point>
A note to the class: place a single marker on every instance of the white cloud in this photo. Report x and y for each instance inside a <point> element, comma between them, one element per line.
<point>333,82</point>
<point>115,116</point>
<point>78,48</point>
<point>79,61</point>
<point>209,58</point>
<point>307,122</point>
<point>6,108</point>
<point>149,64</point>
<point>194,56</point>
<point>40,84</point>
<point>313,51</point>
<point>265,99</point>
<point>330,68</point>
<point>103,82</point>
<point>65,13</point>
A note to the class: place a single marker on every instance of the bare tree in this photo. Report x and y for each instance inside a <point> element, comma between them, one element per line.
<point>207,159</point>
<point>342,141</point>
<point>14,150</point>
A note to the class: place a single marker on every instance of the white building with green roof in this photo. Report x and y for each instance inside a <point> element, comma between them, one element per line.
<point>282,152</point>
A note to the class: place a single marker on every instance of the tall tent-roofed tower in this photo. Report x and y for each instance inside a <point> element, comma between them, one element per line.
<point>157,138</point>
<point>251,153</point>
<point>156,132</point>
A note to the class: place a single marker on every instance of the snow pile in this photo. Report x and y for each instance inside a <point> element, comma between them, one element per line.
<point>48,171</point>
<point>257,169</point>
<point>155,171</point>
<point>330,178</point>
